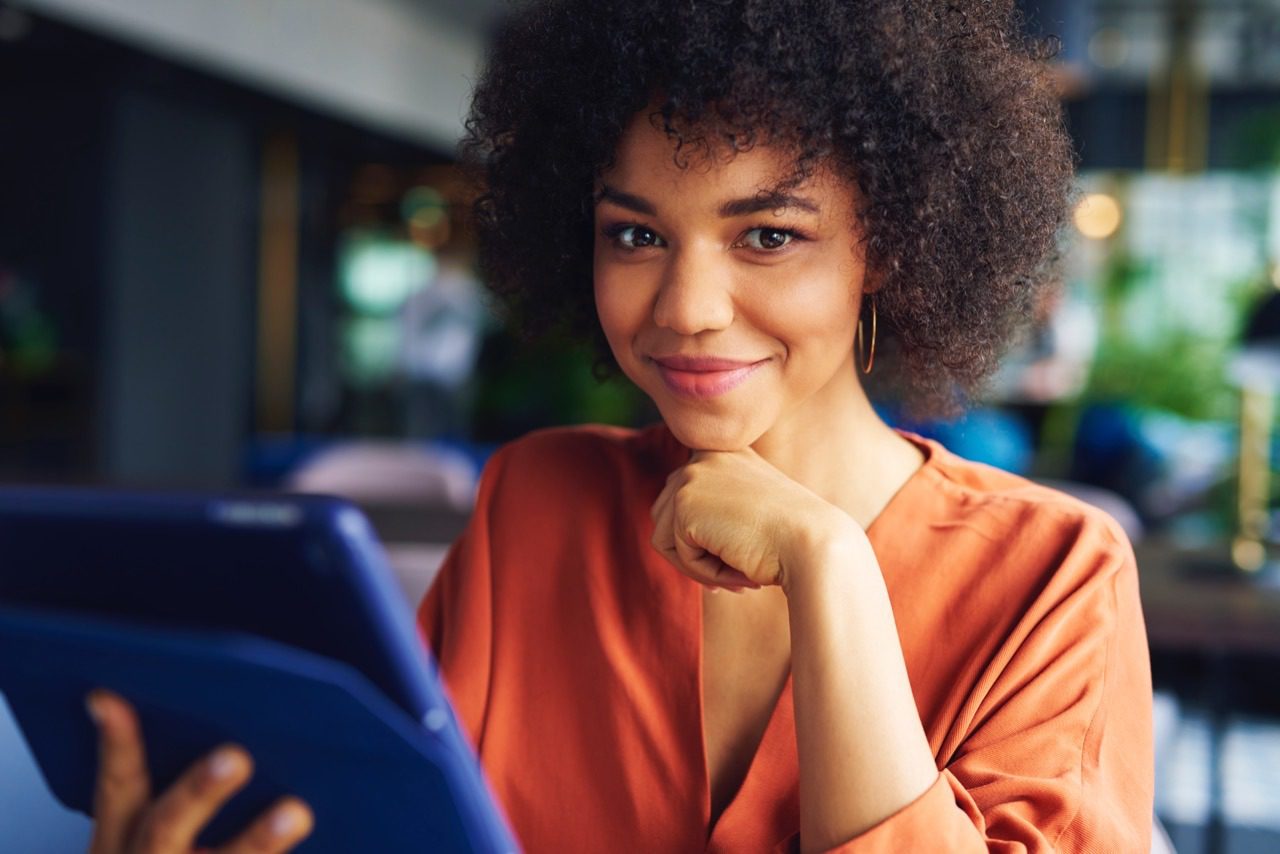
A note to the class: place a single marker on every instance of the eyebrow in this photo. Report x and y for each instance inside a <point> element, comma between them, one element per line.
<point>765,200</point>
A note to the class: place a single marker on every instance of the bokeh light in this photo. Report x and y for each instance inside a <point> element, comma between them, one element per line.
<point>377,273</point>
<point>1097,216</point>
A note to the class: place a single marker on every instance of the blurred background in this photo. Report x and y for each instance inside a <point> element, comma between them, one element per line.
<point>234,254</point>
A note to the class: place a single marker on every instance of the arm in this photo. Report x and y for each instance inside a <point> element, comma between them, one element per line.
<point>1053,749</point>
<point>863,751</point>
<point>1048,745</point>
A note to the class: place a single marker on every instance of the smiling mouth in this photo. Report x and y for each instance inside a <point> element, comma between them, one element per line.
<point>704,378</point>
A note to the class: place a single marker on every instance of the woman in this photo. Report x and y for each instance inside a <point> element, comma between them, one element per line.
<point>759,209</point>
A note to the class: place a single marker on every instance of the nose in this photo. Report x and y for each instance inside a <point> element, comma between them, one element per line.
<point>695,294</point>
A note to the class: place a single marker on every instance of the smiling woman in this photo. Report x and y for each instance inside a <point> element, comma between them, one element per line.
<point>735,199</point>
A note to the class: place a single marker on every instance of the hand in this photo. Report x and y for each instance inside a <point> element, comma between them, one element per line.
<point>128,820</point>
<point>729,519</point>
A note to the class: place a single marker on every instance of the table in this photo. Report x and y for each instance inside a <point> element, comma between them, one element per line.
<point>1196,602</point>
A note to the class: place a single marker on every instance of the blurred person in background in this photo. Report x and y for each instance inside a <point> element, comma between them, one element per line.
<point>765,213</point>
<point>441,325</point>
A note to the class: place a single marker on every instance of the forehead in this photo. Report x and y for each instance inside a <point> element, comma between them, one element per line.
<point>649,161</point>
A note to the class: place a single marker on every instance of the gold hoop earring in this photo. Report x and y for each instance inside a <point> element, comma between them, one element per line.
<point>871,356</point>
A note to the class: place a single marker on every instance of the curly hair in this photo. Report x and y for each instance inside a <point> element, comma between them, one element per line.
<point>942,114</point>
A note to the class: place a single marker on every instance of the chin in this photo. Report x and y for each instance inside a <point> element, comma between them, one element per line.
<point>705,431</point>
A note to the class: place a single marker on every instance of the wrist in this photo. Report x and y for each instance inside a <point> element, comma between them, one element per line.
<point>822,555</point>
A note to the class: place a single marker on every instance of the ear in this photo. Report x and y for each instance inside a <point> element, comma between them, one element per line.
<point>872,281</point>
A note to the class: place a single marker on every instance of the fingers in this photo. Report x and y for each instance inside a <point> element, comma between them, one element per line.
<point>663,539</point>
<point>125,819</point>
<point>662,517</point>
<point>703,566</point>
<point>664,497</point>
<point>670,541</point>
<point>734,579</point>
<point>664,531</point>
<point>123,787</point>
<point>688,557</point>
<point>698,563</point>
<point>287,823</point>
<point>178,815</point>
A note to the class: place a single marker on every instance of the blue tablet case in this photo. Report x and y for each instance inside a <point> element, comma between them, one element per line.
<point>377,778</point>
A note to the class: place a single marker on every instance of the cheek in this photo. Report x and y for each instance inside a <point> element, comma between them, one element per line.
<point>812,313</point>
<point>619,307</point>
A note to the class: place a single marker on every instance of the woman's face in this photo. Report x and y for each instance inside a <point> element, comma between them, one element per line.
<point>731,302</point>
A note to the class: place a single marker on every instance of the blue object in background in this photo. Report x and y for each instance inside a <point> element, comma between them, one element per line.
<point>1113,451</point>
<point>984,435</point>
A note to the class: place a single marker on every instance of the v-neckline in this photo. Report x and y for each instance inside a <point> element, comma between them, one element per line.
<point>782,713</point>
<point>781,706</point>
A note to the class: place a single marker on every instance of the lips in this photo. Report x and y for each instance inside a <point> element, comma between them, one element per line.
<point>703,377</point>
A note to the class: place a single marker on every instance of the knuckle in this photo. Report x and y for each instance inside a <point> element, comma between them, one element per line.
<point>259,840</point>
<point>680,501</point>
<point>154,833</point>
<point>114,735</point>
<point>115,778</point>
<point>164,813</point>
<point>199,786</point>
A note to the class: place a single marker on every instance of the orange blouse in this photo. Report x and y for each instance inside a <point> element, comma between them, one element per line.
<point>573,654</point>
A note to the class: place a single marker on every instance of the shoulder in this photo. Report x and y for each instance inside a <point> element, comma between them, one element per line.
<point>1040,530</point>
<point>1041,692</point>
<point>1010,502</point>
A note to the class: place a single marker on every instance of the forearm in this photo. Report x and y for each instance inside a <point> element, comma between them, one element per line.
<point>862,749</point>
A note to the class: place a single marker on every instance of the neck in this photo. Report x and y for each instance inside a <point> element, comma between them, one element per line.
<point>837,446</point>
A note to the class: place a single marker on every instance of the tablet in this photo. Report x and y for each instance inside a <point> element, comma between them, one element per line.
<point>265,619</point>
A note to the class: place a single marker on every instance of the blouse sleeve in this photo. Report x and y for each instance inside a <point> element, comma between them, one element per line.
<point>455,617</point>
<point>1059,753</point>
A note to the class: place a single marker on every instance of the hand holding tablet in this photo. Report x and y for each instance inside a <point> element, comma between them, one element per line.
<point>129,817</point>
<point>268,622</point>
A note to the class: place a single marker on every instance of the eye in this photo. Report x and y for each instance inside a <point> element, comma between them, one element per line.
<point>768,238</point>
<point>633,236</point>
